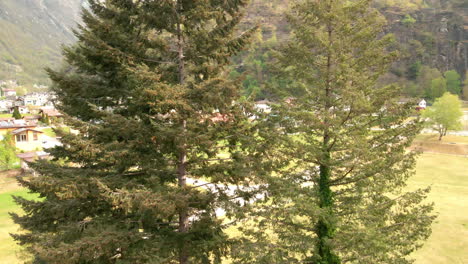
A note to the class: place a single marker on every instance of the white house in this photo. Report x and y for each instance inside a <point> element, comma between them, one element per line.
<point>263,106</point>
<point>8,92</point>
<point>37,99</point>
<point>6,104</point>
<point>21,109</point>
<point>422,104</point>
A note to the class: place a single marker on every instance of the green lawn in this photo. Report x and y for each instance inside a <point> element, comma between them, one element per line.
<point>9,251</point>
<point>50,132</point>
<point>10,115</point>
<point>447,174</point>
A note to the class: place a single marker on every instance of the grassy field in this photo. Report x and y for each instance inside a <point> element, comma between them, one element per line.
<point>447,174</point>
<point>10,115</point>
<point>446,139</point>
<point>51,133</point>
<point>9,251</point>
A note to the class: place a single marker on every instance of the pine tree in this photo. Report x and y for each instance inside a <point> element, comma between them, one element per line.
<point>16,114</point>
<point>339,197</point>
<point>146,87</point>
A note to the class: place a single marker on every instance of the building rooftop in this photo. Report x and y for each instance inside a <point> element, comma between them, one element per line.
<point>17,123</point>
<point>21,130</point>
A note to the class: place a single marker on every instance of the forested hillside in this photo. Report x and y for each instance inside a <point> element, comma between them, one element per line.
<point>432,36</point>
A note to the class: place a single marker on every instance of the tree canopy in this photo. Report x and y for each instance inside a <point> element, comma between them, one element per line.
<point>445,114</point>
<point>8,159</point>
<point>338,195</point>
<point>164,138</point>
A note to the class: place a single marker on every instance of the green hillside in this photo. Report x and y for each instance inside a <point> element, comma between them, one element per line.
<point>431,37</point>
<point>431,34</point>
<point>31,32</point>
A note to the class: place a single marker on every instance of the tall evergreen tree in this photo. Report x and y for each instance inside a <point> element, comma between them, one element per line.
<point>163,138</point>
<point>340,196</point>
<point>16,114</point>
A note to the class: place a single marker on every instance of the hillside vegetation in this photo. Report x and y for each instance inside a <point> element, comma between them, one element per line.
<point>432,36</point>
<point>31,33</point>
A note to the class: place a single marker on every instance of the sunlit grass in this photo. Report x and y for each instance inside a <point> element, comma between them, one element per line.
<point>447,174</point>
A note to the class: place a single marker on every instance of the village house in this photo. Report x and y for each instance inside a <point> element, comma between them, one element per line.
<point>22,109</point>
<point>6,104</point>
<point>33,118</point>
<point>419,106</point>
<point>50,112</point>
<point>263,106</point>
<point>37,99</point>
<point>8,92</point>
<point>26,137</point>
<point>422,105</point>
<point>19,101</point>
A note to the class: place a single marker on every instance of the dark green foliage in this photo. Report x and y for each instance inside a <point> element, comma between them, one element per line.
<point>339,195</point>
<point>44,119</point>
<point>30,37</point>
<point>414,70</point>
<point>408,20</point>
<point>454,84</point>
<point>16,114</point>
<point>437,89</point>
<point>146,88</point>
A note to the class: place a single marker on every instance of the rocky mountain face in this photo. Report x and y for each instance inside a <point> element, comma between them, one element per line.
<point>31,32</point>
<point>435,36</point>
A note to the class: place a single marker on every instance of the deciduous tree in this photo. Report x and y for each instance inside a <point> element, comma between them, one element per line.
<point>445,114</point>
<point>8,159</point>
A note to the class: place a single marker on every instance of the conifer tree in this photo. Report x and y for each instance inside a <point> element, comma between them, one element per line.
<point>16,114</point>
<point>163,142</point>
<point>339,197</point>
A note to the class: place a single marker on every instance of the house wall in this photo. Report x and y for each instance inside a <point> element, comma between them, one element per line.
<point>30,144</point>
<point>4,131</point>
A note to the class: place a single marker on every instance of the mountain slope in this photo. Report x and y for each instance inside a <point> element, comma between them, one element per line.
<point>31,32</point>
<point>429,32</point>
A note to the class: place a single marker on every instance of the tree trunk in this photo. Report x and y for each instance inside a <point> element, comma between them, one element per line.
<point>325,229</point>
<point>182,170</point>
<point>183,214</point>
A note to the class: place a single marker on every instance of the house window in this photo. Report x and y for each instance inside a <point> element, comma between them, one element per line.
<point>21,138</point>
<point>35,136</point>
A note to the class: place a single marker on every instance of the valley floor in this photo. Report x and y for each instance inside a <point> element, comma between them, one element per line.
<point>447,174</point>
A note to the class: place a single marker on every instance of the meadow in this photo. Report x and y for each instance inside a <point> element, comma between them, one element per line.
<point>446,174</point>
<point>10,253</point>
